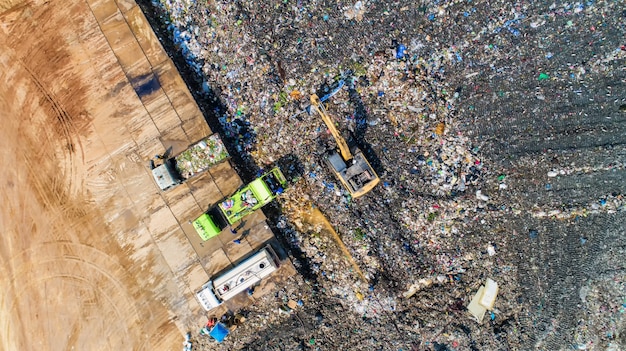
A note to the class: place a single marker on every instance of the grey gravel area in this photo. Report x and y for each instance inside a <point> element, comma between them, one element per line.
<point>497,129</point>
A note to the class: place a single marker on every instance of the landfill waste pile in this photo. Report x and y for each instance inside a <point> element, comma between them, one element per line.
<point>201,156</point>
<point>497,129</point>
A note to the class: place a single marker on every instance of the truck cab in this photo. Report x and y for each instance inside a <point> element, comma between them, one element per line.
<point>166,175</point>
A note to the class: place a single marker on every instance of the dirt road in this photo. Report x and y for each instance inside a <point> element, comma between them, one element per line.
<point>79,269</point>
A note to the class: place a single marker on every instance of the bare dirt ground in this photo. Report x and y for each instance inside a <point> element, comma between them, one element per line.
<point>76,273</point>
<point>538,90</point>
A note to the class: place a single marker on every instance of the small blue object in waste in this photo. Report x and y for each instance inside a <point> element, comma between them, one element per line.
<point>400,51</point>
<point>219,332</point>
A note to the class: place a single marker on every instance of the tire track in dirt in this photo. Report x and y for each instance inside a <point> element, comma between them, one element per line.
<point>65,274</point>
<point>60,93</point>
<point>51,195</point>
<point>64,125</point>
<point>47,204</point>
<point>54,186</point>
<point>109,321</point>
<point>71,252</point>
<point>59,261</point>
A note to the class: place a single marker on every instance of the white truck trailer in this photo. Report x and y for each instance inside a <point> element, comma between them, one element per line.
<point>238,279</point>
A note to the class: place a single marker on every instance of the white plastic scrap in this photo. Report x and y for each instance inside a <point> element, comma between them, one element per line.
<point>480,196</point>
<point>484,300</point>
<point>187,345</point>
<point>355,12</point>
<point>414,288</point>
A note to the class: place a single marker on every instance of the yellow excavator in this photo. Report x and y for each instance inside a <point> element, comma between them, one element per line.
<point>356,174</point>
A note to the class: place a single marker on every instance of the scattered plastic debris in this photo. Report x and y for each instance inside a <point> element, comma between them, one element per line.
<point>483,300</point>
<point>455,102</point>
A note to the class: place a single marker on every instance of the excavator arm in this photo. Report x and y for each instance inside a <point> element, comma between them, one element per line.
<point>344,150</point>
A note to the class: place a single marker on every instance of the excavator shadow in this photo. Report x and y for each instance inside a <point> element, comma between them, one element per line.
<point>357,138</point>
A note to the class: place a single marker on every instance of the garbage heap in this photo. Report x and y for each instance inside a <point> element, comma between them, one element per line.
<point>440,96</point>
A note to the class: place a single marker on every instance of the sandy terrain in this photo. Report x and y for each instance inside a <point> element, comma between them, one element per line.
<point>84,228</point>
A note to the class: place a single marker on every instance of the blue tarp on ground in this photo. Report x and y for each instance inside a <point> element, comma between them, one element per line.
<point>219,332</point>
